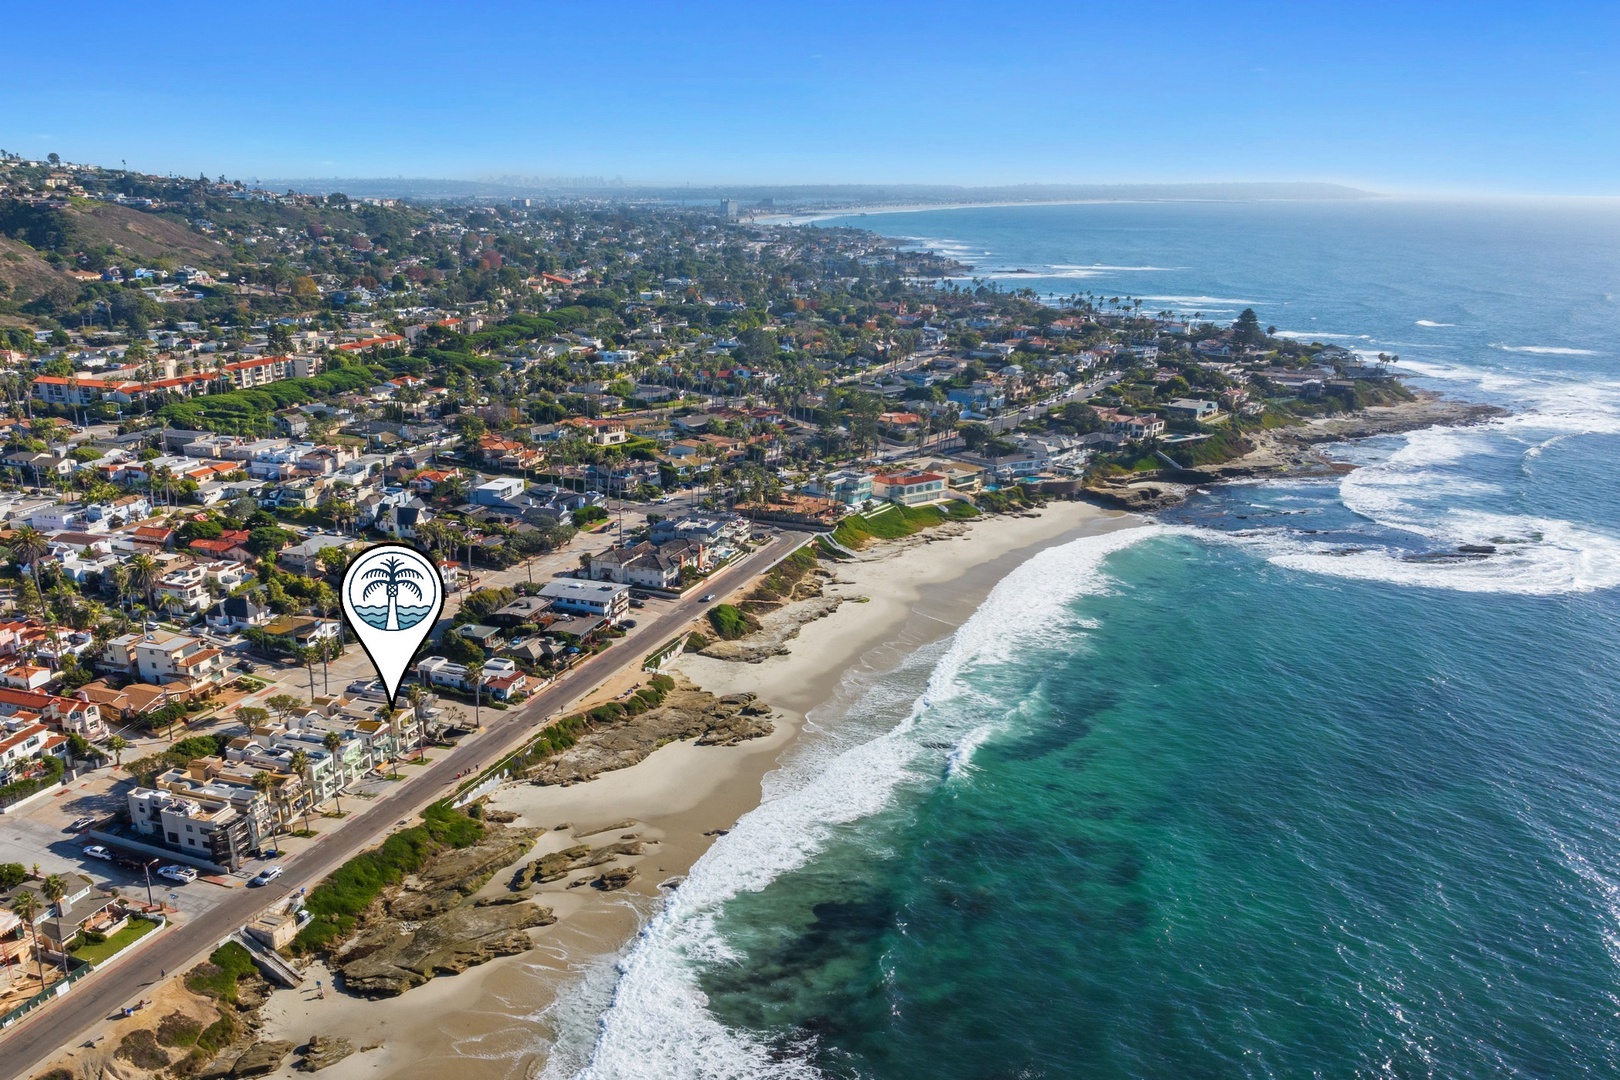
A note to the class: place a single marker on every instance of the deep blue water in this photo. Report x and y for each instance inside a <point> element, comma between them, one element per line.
<point>1247,792</point>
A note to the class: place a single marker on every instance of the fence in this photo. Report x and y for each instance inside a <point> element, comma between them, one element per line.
<point>77,969</point>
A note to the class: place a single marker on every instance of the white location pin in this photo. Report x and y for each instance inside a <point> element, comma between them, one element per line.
<point>392,597</point>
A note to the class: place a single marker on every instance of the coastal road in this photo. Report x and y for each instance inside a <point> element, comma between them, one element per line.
<point>69,1020</point>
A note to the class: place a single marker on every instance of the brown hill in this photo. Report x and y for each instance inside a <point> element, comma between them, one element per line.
<point>25,276</point>
<point>147,236</point>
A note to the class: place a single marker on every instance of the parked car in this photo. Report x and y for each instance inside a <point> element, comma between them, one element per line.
<point>247,667</point>
<point>638,603</point>
<point>81,824</point>
<point>266,876</point>
<point>629,624</point>
<point>96,851</point>
<point>185,875</point>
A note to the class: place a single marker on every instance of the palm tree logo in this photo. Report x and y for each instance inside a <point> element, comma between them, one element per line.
<point>391,592</point>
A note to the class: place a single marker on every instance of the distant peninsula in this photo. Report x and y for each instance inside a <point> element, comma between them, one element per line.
<point>814,195</point>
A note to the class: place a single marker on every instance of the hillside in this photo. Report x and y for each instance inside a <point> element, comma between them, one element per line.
<point>140,234</point>
<point>24,276</point>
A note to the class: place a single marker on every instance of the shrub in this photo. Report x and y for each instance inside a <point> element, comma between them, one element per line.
<point>337,902</point>
<point>178,1029</point>
<point>218,1035</point>
<point>140,1048</point>
<point>217,976</point>
<point>730,622</point>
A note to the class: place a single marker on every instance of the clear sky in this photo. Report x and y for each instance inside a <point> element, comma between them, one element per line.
<point>1444,96</point>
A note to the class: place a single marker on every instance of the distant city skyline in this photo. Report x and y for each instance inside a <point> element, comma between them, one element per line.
<point>1482,98</point>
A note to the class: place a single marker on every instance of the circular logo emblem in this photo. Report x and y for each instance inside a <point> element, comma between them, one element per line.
<point>392,587</point>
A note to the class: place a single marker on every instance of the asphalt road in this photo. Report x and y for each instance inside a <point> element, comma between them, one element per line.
<point>67,1022</point>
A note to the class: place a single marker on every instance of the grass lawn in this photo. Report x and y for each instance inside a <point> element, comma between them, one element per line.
<point>129,935</point>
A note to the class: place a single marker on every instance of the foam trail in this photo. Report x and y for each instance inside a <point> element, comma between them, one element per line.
<point>658,1025</point>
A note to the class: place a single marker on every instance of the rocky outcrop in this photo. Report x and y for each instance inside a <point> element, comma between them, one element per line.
<point>453,875</point>
<point>1141,497</point>
<point>559,864</point>
<point>392,955</point>
<point>776,629</point>
<point>261,1059</point>
<point>614,879</point>
<point>324,1051</point>
<point>687,713</point>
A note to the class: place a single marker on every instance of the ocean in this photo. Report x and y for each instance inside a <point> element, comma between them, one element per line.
<point>1264,789</point>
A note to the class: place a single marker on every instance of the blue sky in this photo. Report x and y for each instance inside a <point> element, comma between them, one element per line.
<point>1425,97</point>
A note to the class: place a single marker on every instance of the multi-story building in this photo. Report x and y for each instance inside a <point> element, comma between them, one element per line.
<point>909,489</point>
<point>606,599</point>
<point>70,715</point>
<point>159,657</point>
<point>210,830</point>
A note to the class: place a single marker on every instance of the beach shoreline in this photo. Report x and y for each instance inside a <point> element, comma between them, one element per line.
<point>895,598</point>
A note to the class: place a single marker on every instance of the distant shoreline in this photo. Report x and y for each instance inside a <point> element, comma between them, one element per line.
<point>809,217</point>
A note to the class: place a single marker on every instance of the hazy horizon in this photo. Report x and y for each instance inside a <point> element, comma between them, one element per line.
<point>1473,99</point>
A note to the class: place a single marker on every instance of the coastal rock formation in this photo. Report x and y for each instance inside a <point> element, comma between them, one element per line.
<point>391,956</point>
<point>559,864</point>
<point>453,875</point>
<point>1140,497</point>
<point>687,713</point>
<point>324,1051</point>
<point>614,879</point>
<point>776,629</point>
<point>261,1059</point>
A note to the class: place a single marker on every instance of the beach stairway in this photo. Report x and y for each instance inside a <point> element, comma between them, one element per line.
<point>269,962</point>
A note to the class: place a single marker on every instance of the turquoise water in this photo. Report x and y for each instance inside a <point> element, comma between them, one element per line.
<point>1253,791</point>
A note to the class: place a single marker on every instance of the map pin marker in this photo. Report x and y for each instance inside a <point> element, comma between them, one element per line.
<point>392,597</point>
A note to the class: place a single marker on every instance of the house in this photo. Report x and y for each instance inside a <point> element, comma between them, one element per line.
<point>1192,409</point>
<point>72,716</point>
<point>25,739</point>
<point>909,489</point>
<point>606,599</point>
<point>525,609</point>
<point>287,632</point>
<point>847,487</point>
<point>236,613</point>
<point>503,490</point>
<point>654,566</point>
<point>304,558</point>
<point>160,657</point>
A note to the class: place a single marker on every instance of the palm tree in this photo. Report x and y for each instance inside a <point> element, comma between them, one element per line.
<point>54,889</point>
<point>332,741</point>
<point>299,764</point>
<point>392,576</point>
<point>265,784</point>
<point>118,744</point>
<point>26,908</point>
<point>28,545</point>
<point>144,574</point>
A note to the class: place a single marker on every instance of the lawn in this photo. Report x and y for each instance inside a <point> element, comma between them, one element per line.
<point>129,935</point>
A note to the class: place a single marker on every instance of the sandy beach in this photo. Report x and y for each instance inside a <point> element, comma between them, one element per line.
<point>500,1019</point>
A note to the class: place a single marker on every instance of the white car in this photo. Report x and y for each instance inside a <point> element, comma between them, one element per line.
<point>185,875</point>
<point>266,876</point>
<point>96,851</point>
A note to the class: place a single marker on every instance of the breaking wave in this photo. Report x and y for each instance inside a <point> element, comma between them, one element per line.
<point>658,1025</point>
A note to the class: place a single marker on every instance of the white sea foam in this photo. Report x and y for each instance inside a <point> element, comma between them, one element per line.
<point>1200,301</point>
<point>1544,350</point>
<point>1431,323</point>
<point>1418,489</point>
<point>658,1024</point>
